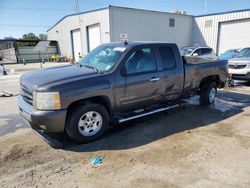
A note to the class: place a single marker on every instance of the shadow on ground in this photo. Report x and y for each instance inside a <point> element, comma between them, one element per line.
<point>159,126</point>
<point>11,123</point>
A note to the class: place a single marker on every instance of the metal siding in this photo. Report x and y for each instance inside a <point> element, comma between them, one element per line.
<point>209,36</point>
<point>142,25</point>
<point>81,22</point>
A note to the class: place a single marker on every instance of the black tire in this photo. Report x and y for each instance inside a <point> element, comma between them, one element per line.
<point>205,90</point>
<point>77,113</point>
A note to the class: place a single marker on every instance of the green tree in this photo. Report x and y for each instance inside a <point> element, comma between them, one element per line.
<point>30,36</point>
<point>43,36</point>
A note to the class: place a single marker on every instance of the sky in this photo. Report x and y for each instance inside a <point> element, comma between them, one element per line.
<point>18,17</point>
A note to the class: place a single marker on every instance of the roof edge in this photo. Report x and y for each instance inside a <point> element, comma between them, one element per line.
<point>226,12</point>
<point>110,6</point>
<point>148,10</point>
<point>75,14</point>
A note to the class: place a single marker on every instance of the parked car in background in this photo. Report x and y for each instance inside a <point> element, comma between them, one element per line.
<point>229,54</point>
<point>204,52</point>
<point>239,67</point>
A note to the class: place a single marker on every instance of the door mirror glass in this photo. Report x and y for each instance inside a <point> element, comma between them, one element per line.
<point>123,71</point>
<point>195,54</point>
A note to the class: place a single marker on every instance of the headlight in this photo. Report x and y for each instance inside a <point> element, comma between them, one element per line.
<point>47,100</point>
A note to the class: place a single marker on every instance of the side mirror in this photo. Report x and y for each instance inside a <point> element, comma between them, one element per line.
<point>195,54</point>
<point>123,71</point>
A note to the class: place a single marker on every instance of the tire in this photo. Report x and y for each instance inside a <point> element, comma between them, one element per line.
<point>208,93</point>
<point>82,123</point>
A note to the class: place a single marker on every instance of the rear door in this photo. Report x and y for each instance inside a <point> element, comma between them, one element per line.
<point>142,81</point>
<point>171,71</point>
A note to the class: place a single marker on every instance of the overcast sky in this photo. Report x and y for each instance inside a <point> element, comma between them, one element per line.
<point>18,17</point>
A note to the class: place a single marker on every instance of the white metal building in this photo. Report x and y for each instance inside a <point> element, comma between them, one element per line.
<point>223,31</point>
<point>80,33</point>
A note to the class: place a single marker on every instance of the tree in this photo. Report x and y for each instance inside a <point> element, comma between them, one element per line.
<point>43,36</point>
<point>30,36</point>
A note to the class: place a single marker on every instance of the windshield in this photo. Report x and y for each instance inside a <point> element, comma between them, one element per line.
<point>186,51</point>
<point>229,51</point>
<point>103,58</point>
<point>244,53</point>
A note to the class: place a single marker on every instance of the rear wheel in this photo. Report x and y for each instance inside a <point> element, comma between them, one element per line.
<point>87,123</point>
<point>208,93</point>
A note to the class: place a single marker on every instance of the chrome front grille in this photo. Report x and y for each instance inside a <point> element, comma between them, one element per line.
<point>27,95</point>
<point>237,66</point>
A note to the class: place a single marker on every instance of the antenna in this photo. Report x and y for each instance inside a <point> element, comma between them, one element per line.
<point>205,6</point>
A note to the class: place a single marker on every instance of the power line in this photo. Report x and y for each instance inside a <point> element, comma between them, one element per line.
<point>23,25</point>
<point>205,6</point>
<point>38,9</point>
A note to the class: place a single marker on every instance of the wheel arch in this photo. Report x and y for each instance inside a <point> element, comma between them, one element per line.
<point>210,78</point>
<point>102,100</point>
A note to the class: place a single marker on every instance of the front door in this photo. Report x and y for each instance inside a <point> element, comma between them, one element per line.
<point>142,84</point>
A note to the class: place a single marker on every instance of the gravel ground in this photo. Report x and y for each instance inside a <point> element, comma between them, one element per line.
<point>190,146</point>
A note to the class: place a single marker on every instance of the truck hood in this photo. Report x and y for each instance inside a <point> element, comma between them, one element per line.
<point>243,60</point>
<point>54,75</point>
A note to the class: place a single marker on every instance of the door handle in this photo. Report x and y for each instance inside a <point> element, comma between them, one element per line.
<point>154,79</point>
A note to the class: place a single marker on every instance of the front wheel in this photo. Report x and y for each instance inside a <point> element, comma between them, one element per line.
<point>208,93</point>
<point>87,123</point>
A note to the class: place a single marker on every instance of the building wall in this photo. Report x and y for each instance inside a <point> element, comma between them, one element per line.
<point>206,28</point>
<point>142,25</point>
<point>61,32</point>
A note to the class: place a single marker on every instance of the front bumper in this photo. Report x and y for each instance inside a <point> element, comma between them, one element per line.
<point>241,76</point>
<point>49,121</point>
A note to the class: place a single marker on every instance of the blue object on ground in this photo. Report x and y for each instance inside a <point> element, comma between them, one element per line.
<point>96,160</point>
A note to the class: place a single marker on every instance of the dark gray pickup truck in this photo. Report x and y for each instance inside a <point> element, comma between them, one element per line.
<point>115,83</point>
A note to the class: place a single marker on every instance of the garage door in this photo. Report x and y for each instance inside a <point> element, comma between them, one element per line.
<point>234,35</point>
<point>94,36</point>
<point>76,44</point>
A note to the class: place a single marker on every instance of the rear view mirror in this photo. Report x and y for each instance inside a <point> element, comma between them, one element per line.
<point>195,54</point>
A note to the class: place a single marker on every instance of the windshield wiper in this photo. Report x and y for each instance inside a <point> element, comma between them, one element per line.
<point>91,67</point>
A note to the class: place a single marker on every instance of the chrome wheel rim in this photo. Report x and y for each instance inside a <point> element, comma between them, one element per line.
<point>90,123</point>
<point>212,95</point>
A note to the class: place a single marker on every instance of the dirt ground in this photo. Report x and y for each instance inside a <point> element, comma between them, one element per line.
<point>191,146</point>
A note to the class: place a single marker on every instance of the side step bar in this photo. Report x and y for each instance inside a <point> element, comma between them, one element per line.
<point>122,120</point>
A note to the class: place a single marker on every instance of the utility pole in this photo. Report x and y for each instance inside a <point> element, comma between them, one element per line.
<point>77,6</point>
<point>205,6</point>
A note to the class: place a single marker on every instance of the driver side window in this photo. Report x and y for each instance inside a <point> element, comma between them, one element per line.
<point>141,61</point>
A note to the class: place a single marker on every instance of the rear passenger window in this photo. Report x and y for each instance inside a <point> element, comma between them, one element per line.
<point>167,58</point>
<point>206,51</point>
<point>198,51</point>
